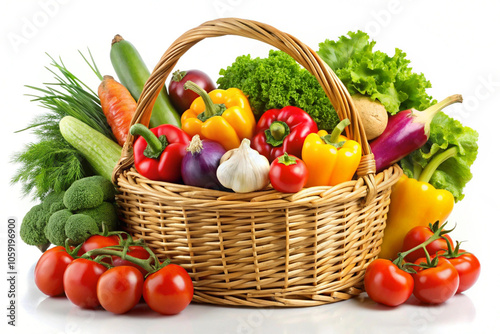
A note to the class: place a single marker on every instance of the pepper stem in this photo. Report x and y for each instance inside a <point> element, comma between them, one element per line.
<point>438,159</point>
<point>337,131</point>
<point>278,130</point>
<point>211,109</point>
<point>155,145</point>
<point>333,138</point>
<point>277,133</point>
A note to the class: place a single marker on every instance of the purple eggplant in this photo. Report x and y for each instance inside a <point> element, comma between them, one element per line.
<point>406,132</point>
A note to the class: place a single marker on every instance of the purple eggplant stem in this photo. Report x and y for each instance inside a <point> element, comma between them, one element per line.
<point>406,132</point>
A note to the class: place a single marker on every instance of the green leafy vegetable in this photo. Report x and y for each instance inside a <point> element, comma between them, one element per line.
<point>392,82</point>
<point>373,73</point>
<point>454,173</point>
<point>278,81</point>
<point>51,163</point>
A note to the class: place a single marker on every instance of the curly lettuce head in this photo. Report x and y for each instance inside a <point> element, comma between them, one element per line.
<point>376,74</point>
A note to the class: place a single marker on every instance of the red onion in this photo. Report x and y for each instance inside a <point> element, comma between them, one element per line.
<point>182,98</point>
<point>199,165</point>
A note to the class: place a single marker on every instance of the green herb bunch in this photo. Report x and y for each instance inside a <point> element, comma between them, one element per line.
<point>50,163</point>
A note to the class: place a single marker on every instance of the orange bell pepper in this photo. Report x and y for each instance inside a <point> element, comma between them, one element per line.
<point>223,116</point>
<point>330,159</point>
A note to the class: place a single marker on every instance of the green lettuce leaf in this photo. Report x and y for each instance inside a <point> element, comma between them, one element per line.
<point>376,74</point>
<point>454,173</point>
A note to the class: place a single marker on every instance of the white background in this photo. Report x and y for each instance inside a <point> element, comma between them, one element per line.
<point>454,43</point>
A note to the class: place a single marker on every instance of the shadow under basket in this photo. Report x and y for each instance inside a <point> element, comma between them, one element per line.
<point>265,248</point>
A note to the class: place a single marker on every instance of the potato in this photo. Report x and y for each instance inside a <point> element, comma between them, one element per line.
<point>373,115</point>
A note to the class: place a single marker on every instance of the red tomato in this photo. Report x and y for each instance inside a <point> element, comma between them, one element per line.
<point>386,284</point>
<point>49,270</point>
<point>468,268</point>
<point>135,251</point>
<point>99,241</point>
<point>80,282</point>
<point>288,174</point>
<point>119,289</point>
<point>418,235</point>
<point>169,290</point>
<point>435,285</point>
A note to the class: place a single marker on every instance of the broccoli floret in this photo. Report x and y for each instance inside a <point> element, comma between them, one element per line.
<point>107,187</point>
<point>57,206</point>
<point>83,194</point>
<point>88,193</point>
<point>53,202</point>
<point>32,230</point>
<point>55,229</point>
<point>103,214</point>
<point>52,198</point>
<point>79,227</point>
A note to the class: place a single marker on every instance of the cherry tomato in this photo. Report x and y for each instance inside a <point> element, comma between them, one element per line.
<point>49,271</point>
<point>468,268</point>
<point>99,241</point>
<point>119,289</point>
<point>80,282</point>
<point>182,98</point>
<point>169,290</point>
<point>135,251</point>
<point>288,173</point>
<point>418,235</point>
<point>435,285</point>
<point>386,284</point>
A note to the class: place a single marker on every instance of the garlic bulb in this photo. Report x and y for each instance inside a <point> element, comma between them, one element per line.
<point>243,169</point>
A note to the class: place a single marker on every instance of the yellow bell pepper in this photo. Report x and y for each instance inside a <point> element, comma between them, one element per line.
<point>223,116</point>
<point>330,159</point>
<point>413,203</point>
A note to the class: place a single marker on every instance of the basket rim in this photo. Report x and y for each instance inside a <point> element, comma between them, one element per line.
<point>199,197</point>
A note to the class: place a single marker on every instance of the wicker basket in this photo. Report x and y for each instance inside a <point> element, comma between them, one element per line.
<point>264,248</point>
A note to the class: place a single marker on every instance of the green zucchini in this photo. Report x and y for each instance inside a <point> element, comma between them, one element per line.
<point>100,152</point>
<point>133,73</point>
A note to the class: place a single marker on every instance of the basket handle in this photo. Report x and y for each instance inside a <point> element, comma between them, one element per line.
<point>305,56</point>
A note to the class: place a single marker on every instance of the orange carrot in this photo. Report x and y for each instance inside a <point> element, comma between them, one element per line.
<point>118,106</point>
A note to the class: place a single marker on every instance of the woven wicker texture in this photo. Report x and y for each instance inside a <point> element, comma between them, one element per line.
<point>264,248</point>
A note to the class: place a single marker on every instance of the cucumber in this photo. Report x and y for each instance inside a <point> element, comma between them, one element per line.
<point>100,152</point>
<point>133,73</point>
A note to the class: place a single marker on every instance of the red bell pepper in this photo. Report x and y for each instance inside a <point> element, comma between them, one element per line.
<point>283,130</point>
<point>158,152</point>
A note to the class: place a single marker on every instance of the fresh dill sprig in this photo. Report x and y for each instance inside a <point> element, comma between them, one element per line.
<point>51,163</point>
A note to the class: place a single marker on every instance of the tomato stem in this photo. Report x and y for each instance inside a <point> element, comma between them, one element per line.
<point>72,252</point>
<point>112,250</point>
<point>151,264</point>
<point>438,233</point>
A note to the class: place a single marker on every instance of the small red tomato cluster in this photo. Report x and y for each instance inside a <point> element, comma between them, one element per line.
<point>113,272</point>
<point>429,267</point>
